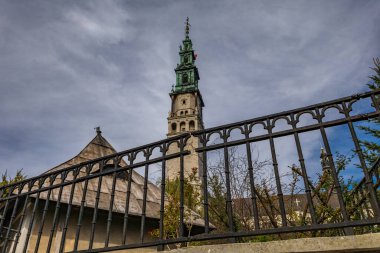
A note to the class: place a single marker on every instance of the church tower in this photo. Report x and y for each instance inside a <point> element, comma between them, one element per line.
<point>186,106</point>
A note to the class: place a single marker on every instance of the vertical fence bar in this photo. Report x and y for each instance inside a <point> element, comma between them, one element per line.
<point>228,183</point>
<point>304,172</point>
<point>44,212</point>
<point>56,213</point>
<point>369,181</point>
<point>162,201</point>
<point>280,195</point>
<point>31,221</point>
<point>20,223</point>
<point>3,215</point>
<point>127,199</point>
<point>143,212</point>
<point>95,213</point>
<point>81,210</point>
<point>109,219</point>
<point>68,212</point>
<point>205,187</point>
<point>10,222</point>
<point>376,104</point>
<point>251,179</point>
<point>337,185</point>
<point>2,218</point>
<point>181,188</point>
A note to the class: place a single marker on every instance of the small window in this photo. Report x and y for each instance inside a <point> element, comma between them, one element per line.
<point>184,101</point>
<point>186,112</point>
<point>185,78</point>
<point>181,112</point>
<point>183,126</point>
<point>191,125</point>
<point>174,127</point>
<point>186,60</point>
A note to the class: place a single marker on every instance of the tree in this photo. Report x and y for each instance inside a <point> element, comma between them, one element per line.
<point>323,193</point>
<point>372,146</point>
<point>192,200</point>
<point>5,180</point>
<point>240,188</point>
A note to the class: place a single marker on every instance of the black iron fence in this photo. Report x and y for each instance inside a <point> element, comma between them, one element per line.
<point>104,205</point>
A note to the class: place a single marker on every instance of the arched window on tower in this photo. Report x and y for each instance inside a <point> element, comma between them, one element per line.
<point>174,127</point>
<point>191,125</point>
<point>185,78</point>
<point>183,126</point>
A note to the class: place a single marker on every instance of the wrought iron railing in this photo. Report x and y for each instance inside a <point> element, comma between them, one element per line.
<point>66,210</point>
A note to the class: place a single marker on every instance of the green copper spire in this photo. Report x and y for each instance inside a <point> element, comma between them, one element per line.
<point>186,72</point>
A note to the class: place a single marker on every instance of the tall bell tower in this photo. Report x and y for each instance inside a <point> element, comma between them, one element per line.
<point>186,108</point>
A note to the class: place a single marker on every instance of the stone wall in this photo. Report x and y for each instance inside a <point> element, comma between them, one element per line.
<point>357,243</point>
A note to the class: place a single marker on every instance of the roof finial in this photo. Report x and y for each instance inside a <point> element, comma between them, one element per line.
<point>187,29</point>
<point>97,129</point>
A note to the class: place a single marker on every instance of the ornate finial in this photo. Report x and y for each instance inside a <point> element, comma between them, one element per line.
<point>97,129</point>
<point>187,29</point>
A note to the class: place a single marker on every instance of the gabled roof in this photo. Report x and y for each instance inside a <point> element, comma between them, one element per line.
<point>99,147</point>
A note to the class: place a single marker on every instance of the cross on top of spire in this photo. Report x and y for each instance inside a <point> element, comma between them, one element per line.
<point>187,29</point>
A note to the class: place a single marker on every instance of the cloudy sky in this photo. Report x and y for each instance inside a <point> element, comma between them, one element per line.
<point>69,66</point>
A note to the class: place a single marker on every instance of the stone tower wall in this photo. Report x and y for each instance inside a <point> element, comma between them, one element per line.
<point>185,116</point>
<point>191,162</point>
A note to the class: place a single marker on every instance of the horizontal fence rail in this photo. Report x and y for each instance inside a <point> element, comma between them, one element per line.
<point>112,203</point>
